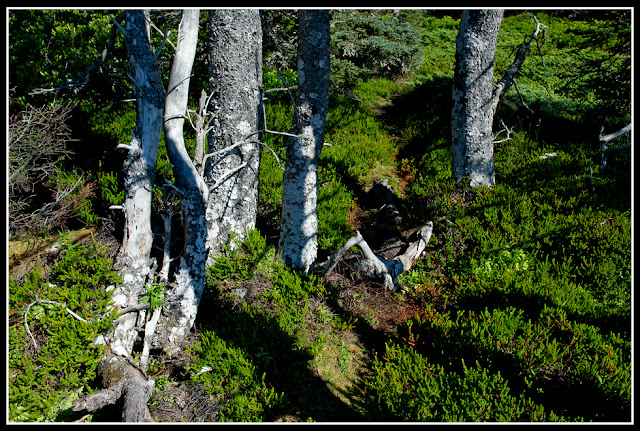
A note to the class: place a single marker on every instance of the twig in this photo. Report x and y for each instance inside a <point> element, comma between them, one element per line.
<point>508,134</point>
<point>515,84</point>
<point>293,100</point>
<point>45,301</point>
<point>272,90</point>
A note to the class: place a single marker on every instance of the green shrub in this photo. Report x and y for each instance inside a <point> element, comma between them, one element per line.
<point>363,43</point>
<point>232,380</point>
<point>411,388</point>
<point>52,370</point>
<point>545,356</point>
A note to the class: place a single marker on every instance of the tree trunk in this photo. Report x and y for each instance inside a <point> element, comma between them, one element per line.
<point>472,115</point>
<point>235,69</point>
<point>143,149</point>
<point>134,258</point>
<point>299,229</point>
<point>120,377</point>
<point>183,298</point>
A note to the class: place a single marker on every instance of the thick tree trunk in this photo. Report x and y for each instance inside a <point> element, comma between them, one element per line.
<point>183,297</point>
<point>472,115</point>
<point>235,69</point>
<point>299,228</point>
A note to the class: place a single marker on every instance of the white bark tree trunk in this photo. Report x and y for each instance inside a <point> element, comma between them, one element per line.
<point>119,374</point>
<point>134,257</point>
<point>183,297</point>
<point>472,114</point>
<point>299,228</point>
<point>143,149</point>
<point>235,70</point>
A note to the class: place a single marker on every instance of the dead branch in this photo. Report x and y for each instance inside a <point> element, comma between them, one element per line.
<point>604,142</point>
<point>202,127</point>
<point>374,267</point>
<point>45,301</point>
<point>497,141</point>
<point>509,77</point>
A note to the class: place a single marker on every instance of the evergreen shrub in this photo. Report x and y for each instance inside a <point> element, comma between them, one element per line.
<point>55,365</point>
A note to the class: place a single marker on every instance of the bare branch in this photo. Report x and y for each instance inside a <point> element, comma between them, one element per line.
<point>374,267</point>
<point>293,101</point>
<point>515,84</point>
<point>45,301</point>
<point>604,142</point>
<point>505,82</point>
<point>165,35</point>
<point>116,22</point>
<point>273,90</point>
<point>505,129</point>
<point>615,135</point>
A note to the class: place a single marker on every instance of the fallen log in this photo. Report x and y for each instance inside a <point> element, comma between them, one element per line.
<point>375,267</point>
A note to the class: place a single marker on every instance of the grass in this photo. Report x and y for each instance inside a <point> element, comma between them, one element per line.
<point>519,310</point>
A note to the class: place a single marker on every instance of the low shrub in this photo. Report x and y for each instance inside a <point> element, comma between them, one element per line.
<point>52,354</point>
<point>232,380</point>
<point>408,387</point>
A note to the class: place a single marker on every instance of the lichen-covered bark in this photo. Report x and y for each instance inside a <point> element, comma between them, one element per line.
<point>183,297</point>
<point>299,228</point>
<point>133,260</point>
<point>472,115</point>
<point>235,69</point>
<point>143,152</point>
<point>120,377</point>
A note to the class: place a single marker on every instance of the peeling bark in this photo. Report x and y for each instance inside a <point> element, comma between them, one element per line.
<point>235,69</point>
<point>299,227</point>
<point>143,149</point>
<point>472,114</point>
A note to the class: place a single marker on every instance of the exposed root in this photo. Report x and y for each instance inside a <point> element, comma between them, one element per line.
<point>121,379</point>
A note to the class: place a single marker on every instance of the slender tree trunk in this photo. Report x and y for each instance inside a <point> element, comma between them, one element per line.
<point>235,69</point>
<point>299,230</point>
<point>120,376</point>
<point>143,149</point>
<point>183,298</point>
<point>134,258</point>
<point>472,115</point>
